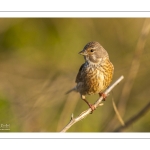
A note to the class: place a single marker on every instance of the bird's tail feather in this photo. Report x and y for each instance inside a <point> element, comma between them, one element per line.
<point>73,89</point>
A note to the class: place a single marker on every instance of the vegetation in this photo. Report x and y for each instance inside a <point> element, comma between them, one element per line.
<point>39,61</point>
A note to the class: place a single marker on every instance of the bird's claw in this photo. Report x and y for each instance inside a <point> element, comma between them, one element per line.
<point>92,107</point>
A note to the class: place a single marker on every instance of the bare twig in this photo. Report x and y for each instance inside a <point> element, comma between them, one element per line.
<point>71,106</point>
<point>134,118</point>
<point>88,111</point>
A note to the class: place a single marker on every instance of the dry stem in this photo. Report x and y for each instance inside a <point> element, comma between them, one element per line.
<point>117,113</point>
<point>136,117</point>
<point>135,65</point>
<point>88,111</point>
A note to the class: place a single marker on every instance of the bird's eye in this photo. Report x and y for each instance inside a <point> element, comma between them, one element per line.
<point>92,50</point>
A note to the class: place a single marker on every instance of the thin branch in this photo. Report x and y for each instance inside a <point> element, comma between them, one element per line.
<point>88,111</point>
<point>134,118</point>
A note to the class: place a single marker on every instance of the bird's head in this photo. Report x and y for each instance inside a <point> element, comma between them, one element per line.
<point>93,52</point>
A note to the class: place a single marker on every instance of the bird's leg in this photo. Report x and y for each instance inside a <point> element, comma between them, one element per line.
<point>90,105</point>
<point>103,95</point>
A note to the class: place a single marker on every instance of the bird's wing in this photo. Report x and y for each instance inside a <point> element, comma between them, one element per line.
<point>79,76</point>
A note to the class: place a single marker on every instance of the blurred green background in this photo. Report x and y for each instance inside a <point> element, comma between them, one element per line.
<point>39,62</point>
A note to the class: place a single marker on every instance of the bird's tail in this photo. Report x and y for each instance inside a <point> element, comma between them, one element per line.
<point>73,89</point>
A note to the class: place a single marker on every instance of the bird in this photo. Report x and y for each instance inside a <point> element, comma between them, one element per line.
<point>95,74</point>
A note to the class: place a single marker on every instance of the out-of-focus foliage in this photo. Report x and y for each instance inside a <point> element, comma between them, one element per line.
<point>39,61</point>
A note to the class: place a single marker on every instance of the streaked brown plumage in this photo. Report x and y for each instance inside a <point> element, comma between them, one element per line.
<point>95,75</point>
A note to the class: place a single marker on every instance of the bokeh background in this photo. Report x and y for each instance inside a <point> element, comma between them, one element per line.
<point>39,62</point>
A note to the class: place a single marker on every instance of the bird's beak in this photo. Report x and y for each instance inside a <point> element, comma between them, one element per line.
<point>83,52</point>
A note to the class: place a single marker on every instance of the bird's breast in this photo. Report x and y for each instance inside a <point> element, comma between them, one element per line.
<point>93,80</point>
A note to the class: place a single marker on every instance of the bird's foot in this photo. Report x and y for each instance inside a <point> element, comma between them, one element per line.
<point>103,95</point>
<point>92,107</point>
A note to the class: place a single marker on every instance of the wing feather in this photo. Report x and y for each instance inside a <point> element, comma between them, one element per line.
<point>79,76</point>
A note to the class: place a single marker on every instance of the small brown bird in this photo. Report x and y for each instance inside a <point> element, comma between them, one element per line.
<point>95,74</point>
